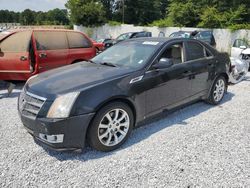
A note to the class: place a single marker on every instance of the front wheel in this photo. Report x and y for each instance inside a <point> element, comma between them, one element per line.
<point>218,91</point>
<point>111,127</point>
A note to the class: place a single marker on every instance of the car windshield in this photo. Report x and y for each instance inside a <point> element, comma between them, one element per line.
<point>180,35</point>
<point>132,54</point>
<point>203,35</point>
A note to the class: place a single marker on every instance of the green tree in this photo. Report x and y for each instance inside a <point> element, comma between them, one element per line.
<point>182,14</point>
<point>41,18</point>
<point>206,13</point>
<point>27,17</point>
<point>58,17</point>
<point>139,12</point>
<point>86,12</point>
<point>108,6</point>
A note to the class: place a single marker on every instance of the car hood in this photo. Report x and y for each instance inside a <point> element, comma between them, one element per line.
<point>77,77</point>
<point>246,51</point>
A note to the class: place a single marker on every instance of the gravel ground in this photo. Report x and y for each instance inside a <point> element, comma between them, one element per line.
<point>197,146</point>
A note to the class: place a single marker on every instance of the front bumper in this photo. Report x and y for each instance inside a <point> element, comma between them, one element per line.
<point>59,134</point>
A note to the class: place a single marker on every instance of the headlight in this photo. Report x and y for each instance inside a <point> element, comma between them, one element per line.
<point>61,107</point>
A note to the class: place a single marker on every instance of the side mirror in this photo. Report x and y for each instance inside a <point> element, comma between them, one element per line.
<point>163,64</point>
<point>243,47</point>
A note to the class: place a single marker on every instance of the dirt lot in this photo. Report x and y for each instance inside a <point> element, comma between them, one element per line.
<point>199,145</point>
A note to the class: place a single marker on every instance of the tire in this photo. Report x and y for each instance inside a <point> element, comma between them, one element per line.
<point>111,127</point>
<point>218,91</point>
<point>97,51</point>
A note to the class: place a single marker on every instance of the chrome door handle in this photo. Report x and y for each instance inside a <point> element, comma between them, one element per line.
<point>42,55</point>
<point>23,58</point>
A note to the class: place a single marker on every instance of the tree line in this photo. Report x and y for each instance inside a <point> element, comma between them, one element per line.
<point>163,13</point>
<point>29,17</point>
<point>233,14</point>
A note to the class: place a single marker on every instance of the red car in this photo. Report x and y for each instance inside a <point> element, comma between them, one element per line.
<point>98,45</point>
<point>29,52</point>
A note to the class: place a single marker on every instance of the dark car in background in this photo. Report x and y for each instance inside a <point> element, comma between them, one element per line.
<point>126,36</point>
<point>102,100</point>
<point>205,36</point>
<point>24,53</point>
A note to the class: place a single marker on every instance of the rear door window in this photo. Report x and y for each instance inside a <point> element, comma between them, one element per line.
<point>51,40</point>
<point>194,51</point>
<point>17,42</point>
<point>77,40</point>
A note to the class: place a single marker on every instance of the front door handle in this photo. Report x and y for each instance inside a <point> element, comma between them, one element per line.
<point>23,58</point>
<point>42,55</point>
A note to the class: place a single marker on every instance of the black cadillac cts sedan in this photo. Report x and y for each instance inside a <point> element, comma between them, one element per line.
<point>102,100</point>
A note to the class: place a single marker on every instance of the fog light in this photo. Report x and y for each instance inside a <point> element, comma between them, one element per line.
<point>54,139</point>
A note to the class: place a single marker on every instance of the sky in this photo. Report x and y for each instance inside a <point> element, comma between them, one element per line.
<point>37,5</point>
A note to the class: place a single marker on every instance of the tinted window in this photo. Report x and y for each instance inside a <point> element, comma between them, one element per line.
<point>194,51</point>
<point>142,34</point>
<point>77,40</point>
<point>51,40</point>
<point>17,42</point>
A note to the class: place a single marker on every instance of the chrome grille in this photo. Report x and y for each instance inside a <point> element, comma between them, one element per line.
<point>30,104</point>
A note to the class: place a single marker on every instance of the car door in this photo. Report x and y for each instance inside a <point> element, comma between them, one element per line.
<point>238,46</point>
<point>80,47</point>
<point>51,49</point>
<point>168,87</point>
<point>202,62</point>
<point>14,56</point>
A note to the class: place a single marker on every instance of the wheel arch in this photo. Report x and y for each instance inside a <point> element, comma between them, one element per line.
<point>122,99</point>
<point>111,100</point>
<point>77,60</point>
<point>225,75</point>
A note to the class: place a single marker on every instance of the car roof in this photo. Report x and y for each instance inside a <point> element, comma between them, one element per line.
<point>20,30</point>
<point>134,32</point>
<point>160,39</point>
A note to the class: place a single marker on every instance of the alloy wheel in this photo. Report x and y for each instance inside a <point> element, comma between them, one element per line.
<point>113,127</point>
<point>219,90</point>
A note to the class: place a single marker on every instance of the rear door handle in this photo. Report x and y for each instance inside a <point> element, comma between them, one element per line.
<point>23,58</point>
<point>187,73</point>
<point>211,64</point>
<point>42,55</point>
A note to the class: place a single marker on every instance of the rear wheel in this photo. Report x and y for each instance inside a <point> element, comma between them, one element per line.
<point>218,91</point>
<point>97,50</point>
<point>111,127</point>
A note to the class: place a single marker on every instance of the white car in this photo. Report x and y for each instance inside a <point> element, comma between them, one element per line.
<point>239,70</point>
<point>241,50</point>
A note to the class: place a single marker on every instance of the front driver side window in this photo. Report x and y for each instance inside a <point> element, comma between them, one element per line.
<point>174,53</point>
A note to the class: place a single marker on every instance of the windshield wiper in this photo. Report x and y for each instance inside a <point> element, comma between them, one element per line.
<point>108,64</point>
<point>90,61</point>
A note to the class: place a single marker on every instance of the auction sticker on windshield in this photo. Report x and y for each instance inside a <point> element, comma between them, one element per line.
<point>150,43</point>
